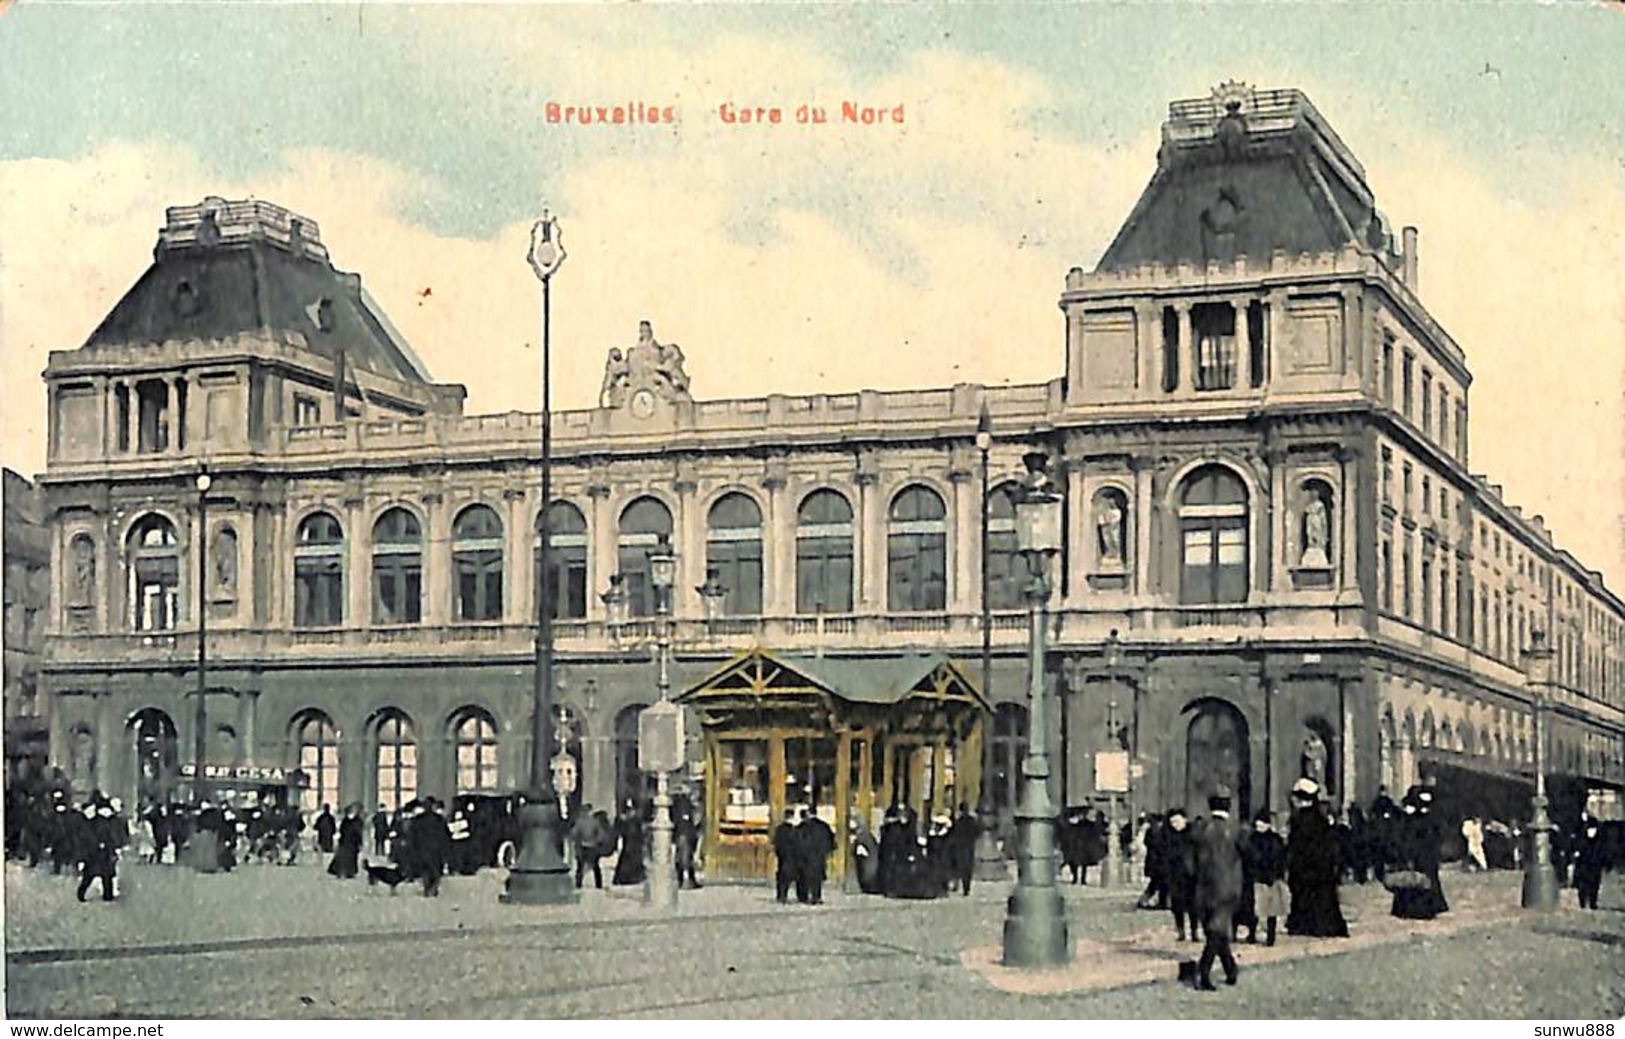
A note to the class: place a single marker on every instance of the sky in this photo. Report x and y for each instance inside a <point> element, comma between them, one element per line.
<point>797,258</point>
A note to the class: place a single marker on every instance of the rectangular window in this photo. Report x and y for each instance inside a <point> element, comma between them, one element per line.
<point>318,600</point>
<point>1407,599</point>
<point>1258,346</point>
<point>824,575</point>
<point>1170,351</point>
<point>307,411</point>
<point>743,782</point>
<point>1405,487</point>
<point>1444,417</point>
<point>1444,594</point>
<point>1386,578</point>
<point>1213,326</point>
<point>1461,431</point>
<point>1427,592</point>
<point>1388,369</point>
<point>1406,385</point>
<point>1427,402</point>
<point>1427,495</point>
<point>1387,476</point>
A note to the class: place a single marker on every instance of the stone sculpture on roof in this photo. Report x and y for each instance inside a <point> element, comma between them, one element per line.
<point>647,371</point>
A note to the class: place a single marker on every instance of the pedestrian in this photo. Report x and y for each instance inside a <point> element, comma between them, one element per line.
<point>1217,845</point>
<point>1418,894</point>
<point>894,841</point>
<point>590,834</point>
<point>65,832</point>
<point>345,863</point>
<point>962,839</point>
<point>327,829</point>
<point>786,855</point>
<point>1180,861</point>
<point>103,836</point>
<point>380,831</point>
<point>1155,865</point>
<point>431,846</point>
<point>817,842</point>
<point>1590,858</point>
<point>1069,837</point>
<point>685,832</point>
<point>865,857</point>
<point>1265,864</point>
<point>1360,845</point>
<point>1312,868</point>
<point>629,866</point>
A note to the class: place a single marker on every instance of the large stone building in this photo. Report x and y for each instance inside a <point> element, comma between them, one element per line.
<point>27,598</point>
<point>1260,432</point>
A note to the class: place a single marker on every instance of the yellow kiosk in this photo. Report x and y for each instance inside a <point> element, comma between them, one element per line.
<point>847,737</point>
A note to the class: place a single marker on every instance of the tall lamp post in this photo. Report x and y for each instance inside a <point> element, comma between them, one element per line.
<point>660,735</point>
<point>541,876</point>
<point>200,717</point>
<point>1540,887</point>
<point>1114,848</point>
<point>989,860</point>
<point>1035,927</point>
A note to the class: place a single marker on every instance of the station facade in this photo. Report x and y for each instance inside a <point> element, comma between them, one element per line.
<point>1278,561</point>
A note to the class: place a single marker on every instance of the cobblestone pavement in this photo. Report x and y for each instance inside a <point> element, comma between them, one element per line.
<point>181,945</point>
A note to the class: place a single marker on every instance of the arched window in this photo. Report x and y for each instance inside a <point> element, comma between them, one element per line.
<point>644,524</point>
<point>155,575</point>
<point>397,568</point>
<point>318,572</point>
<point>630,781</point>
<point>1213,533</point>
<point>566,587</point>
<point>1009,747</point>
<point>476,554</point>
<point>475,734</point>
<point>396,759</point>
<point>157,756</point>
<point>1007,574</point>
<point>318,742</point>
<point>917,551</point>
<point>824,554</point>
<point>733,544</point>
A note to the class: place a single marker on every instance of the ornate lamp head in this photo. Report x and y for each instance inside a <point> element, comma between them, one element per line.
<point>546,247</point>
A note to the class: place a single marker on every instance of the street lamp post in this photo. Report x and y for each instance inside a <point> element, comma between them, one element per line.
<point>662,725</point>
<point>1114,852</point>
<point>1035,927</point>
<point>989,860</point>
<point>200,717</point>
<point>1540,886</point>
<point>541,876</point>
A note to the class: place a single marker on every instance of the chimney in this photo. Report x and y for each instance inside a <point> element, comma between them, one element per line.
<point>1410,260</point>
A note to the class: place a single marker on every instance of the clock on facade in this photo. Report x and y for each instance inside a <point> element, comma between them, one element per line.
<point>643,403</point>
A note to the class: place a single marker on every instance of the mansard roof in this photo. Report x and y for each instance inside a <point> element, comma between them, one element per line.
<point>1248,173</point>
<point>225,268</point>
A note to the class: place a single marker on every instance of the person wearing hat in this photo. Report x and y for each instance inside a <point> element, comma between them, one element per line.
<point>629,830</point>
<point>1265,864</point>
<point>1179,857</point>
<point>1218,850</point>
<point>1312,867</point>
<point>1590,859</point>
<point>103,838</point>
<point>817,843</point>
<point>786,854</point>
<point>1419,844</point>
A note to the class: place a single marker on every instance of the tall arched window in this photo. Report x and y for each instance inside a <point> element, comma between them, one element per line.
<point>644,524</point>
<point>824,553</point>
<point>566,587</point>
<point>917,551</point>
<point>1213,537</point>
<point>397,568</point>
<point>1009,747</point>
<point>476,554</point>
<point>318,572</point>
<point>396,760</point>
<point>157,755</point>
<point>318,742</point>
<point>1006,571</point>
<point>475,733</point>
<point>733,544</point>
<point>155,574</point>
<point>630,781</point>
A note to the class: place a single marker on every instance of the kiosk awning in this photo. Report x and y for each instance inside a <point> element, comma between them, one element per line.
<point>760,675</point>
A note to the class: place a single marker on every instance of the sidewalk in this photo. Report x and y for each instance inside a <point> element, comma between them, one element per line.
<point>1151,954</point>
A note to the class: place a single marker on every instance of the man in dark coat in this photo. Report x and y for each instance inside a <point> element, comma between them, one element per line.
<point>629,830</point>
<point>1312,867</point>
<point>1264,865</point>
<point>1590,859</point>
<point>816,842</point>
<point>1217,845</point>
<point>894,845</point>
<point>591,833</point>
<point>786,854</point>
<point>866,857</point>
<point>1156,865</point>
<point>1179,858</point>
<point>326,828</point>
<point>962,848</point>
<point>431,846</point>
<point>685,833</point>
<point>103,835</point>
<point>380,832</point>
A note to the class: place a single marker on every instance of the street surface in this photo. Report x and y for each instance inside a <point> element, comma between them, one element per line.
<point>293,943</point>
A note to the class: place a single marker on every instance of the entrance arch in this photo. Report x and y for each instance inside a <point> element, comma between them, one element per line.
<point>157,756</point>
<point>1217,753</point>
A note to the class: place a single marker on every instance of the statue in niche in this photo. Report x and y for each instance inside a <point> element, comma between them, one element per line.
<point>224,554</point>
<point>84,572</point>
<point>1314,758</point>
<point>82,759</point>
<point>1316,533</point>
<point>1109,518</point>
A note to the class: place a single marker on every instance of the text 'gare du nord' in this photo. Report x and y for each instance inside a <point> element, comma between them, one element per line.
<point>1260,434</point>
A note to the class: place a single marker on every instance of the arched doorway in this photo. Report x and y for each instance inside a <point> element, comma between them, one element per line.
<point>316,740</point>
<point>157,756</point>
<point>1217,754</point>
<point>630,781</point>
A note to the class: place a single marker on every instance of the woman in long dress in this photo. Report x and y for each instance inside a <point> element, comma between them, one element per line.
<point>629,868</point>
<point>344,864</point>
<point>1420,847</point>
